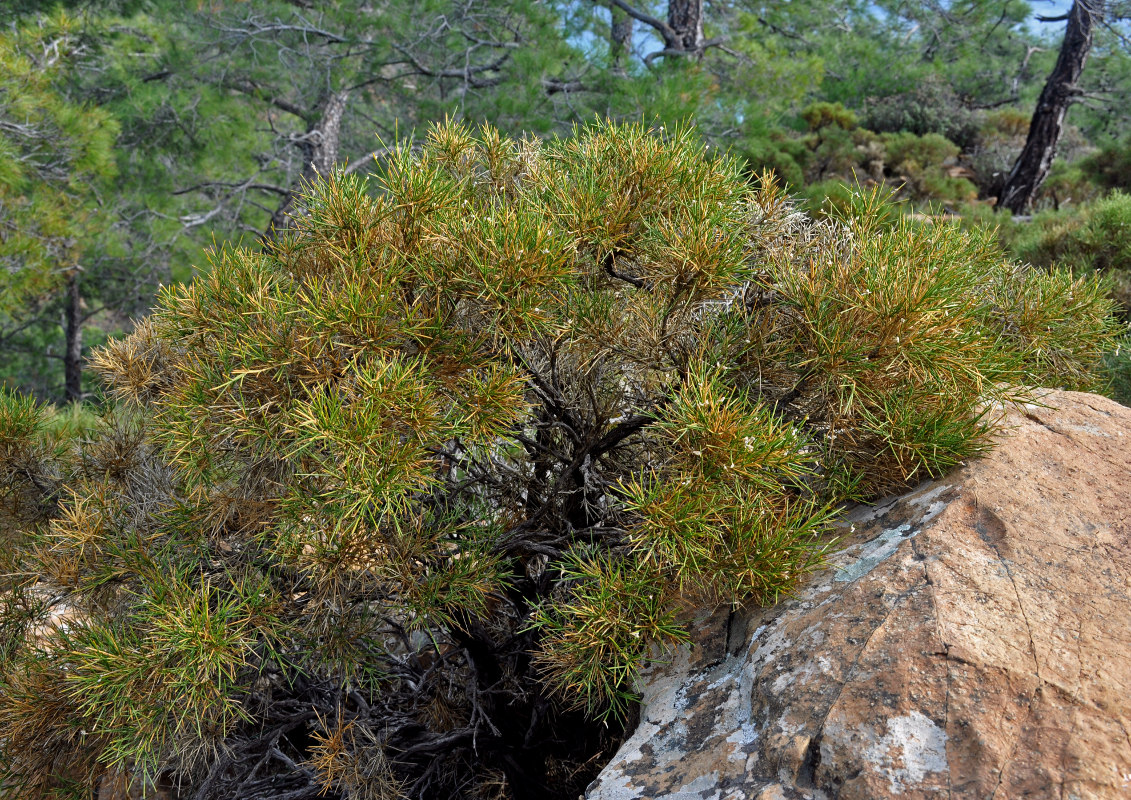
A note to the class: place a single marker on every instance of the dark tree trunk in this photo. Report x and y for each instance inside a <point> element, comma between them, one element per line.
<point>319,148</point>
<point>620,37</point>
<point>1032,166</point>
<point>685,18</point>
<point>72,354</point>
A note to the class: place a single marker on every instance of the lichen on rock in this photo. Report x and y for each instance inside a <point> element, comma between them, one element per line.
<point>970,641</point>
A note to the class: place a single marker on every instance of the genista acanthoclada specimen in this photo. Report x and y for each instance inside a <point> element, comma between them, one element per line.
<point>401,507</point>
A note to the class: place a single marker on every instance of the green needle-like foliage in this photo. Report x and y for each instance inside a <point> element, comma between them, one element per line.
<point>403,505</point>
<point>50,151</point>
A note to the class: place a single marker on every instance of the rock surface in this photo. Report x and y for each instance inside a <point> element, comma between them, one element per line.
<point>120,786</point>
<point>972,641</point>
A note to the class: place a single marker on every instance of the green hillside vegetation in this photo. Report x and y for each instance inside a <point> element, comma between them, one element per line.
<point>410,497</point>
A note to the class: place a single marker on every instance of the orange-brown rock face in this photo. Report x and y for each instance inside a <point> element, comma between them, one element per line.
<point>972,641</point>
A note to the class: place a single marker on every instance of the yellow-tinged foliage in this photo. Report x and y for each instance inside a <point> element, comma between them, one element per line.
<point>476,433</point>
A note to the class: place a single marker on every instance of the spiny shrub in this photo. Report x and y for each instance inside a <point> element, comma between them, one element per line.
<point>403,506</point>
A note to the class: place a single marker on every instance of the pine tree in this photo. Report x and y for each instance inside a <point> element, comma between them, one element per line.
<point>55,158</point>
<point>402,506</point>
<point>1060,91</point>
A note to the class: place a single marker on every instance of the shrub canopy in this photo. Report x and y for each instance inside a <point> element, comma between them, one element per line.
<point>405,503</point>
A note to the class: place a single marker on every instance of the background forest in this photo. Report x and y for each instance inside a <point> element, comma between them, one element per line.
<point>135,134</point>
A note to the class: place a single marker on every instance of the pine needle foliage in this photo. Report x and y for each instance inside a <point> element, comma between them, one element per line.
<point>403,506</point>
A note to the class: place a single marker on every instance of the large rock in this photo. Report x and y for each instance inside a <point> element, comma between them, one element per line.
<point>973,641</point>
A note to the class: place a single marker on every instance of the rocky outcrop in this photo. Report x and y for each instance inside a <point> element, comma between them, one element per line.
<point>973,640</point>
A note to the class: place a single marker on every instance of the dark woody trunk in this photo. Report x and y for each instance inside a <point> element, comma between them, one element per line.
<point>620,38</point>
<point>319,147</point>
<point>72,353</point>
<point>1032,166</point>
<point>685,17</point>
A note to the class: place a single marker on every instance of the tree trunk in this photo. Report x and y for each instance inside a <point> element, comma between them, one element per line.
<point>72,354</point>
<point>685,17</point>
<point>319,148</point>
<point>620,38</point>
<point>1032,166</point>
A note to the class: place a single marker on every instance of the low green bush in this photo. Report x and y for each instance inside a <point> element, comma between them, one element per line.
<point>1117,366</point>
<point>921,161</point>
<point>1067,185</point>
<point>825,115</point>
<point>403,505</point>
<point>1106,234</point>
<point>913,168</point>
<point>778,153</point>
<point>931,108</point>
<point>1110,168</point>
<point>1089,238</point>
<point>1093,238</point>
